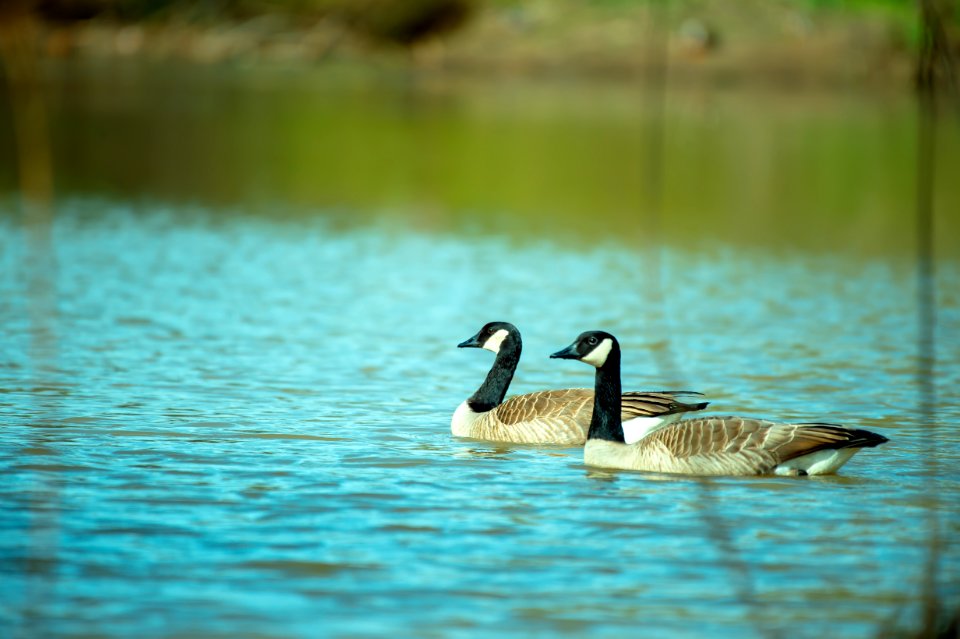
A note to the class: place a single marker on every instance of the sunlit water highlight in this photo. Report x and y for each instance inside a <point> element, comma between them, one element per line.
<point>228,425</point>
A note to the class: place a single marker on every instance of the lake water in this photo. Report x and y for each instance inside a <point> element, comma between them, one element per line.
<point>229,357</point>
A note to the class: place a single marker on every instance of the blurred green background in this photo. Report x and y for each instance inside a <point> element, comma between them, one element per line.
<point>240,239</point>
<point>791,123</point>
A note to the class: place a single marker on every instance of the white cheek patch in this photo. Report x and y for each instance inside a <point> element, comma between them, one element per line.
<point>598,356</point>
<point>494,341</point>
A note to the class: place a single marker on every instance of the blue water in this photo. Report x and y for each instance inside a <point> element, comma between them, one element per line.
<point>221,423</point>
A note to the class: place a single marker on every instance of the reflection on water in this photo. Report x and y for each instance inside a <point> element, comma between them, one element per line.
<point>784,170</point>
<point>244,428</point>
<point>233,417</point>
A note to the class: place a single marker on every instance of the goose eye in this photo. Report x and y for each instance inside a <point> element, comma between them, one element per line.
<point>592,341</point>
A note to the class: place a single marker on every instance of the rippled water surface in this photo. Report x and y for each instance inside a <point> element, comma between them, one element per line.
<point>222,422</point>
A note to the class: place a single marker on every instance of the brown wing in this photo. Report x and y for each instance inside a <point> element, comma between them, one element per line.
<point>572,403</point>
<point>577,403</point>
<point>736,444</point>
<point>657,403</point>
<point>803,439</point>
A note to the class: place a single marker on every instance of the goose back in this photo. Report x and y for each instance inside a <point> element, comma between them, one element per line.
<point>735,446</point>
<point>563,416</point>
<point>704,445</point>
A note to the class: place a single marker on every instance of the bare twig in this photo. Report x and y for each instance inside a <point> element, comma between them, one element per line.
<point>19,59</point>
<point>652,181</point>
<point>927,66</point>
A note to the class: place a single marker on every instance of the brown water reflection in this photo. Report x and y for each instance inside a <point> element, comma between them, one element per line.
<point>782,170</point>
<point>227,409</point>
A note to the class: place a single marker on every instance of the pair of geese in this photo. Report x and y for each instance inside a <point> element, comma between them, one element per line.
<point>640,430</point>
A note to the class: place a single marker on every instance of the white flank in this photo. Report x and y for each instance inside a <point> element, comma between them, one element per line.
<point>463,419</point>
<point>598,356</point>
<point>494,341</point>
<point>639,427</point>
<point>822,462</point>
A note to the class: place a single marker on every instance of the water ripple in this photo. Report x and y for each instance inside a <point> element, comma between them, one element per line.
<point>225,427</point>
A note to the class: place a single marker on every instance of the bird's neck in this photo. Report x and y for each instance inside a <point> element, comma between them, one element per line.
<point>605,423</point>
<point>494,387</point>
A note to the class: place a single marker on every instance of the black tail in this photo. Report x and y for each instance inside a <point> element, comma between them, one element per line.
<point>852,437</point>
<point>865,439</point>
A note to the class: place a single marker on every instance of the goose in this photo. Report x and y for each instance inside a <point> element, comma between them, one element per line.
<point>550,416</point>
<point>705,445</point>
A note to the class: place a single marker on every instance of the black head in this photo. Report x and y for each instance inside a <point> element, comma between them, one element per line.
<point>592,347</point>
<point>491,336</point>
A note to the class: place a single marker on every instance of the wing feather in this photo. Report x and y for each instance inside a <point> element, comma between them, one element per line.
<point>563,416</point>
<point>655,403</point>
<point>741,445</point>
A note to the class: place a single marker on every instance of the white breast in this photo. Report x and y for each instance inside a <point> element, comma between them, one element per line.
<point>463,419</point>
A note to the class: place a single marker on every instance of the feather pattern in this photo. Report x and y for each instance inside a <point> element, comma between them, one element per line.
<point>704,445</point>
<point>563,416</point>
<point>553,416</point>
<point>725,446</point>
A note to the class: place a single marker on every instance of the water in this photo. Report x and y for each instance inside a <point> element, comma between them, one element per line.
<point>227,413</point>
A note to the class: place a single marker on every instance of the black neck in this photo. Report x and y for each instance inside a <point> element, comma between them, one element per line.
<point>605,423</point>
<point>494,387</point>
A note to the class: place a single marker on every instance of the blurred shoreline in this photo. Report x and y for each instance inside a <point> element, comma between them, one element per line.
<point>789,44</point>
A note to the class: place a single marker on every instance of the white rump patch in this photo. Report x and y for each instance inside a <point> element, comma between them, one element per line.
<point>463,419</point>
<point>822,462</point>
<point>598,356</point>
<point>494,341</point>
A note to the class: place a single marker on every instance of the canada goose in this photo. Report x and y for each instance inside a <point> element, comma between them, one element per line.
<point>705,445</point>
<point>552,416</point>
